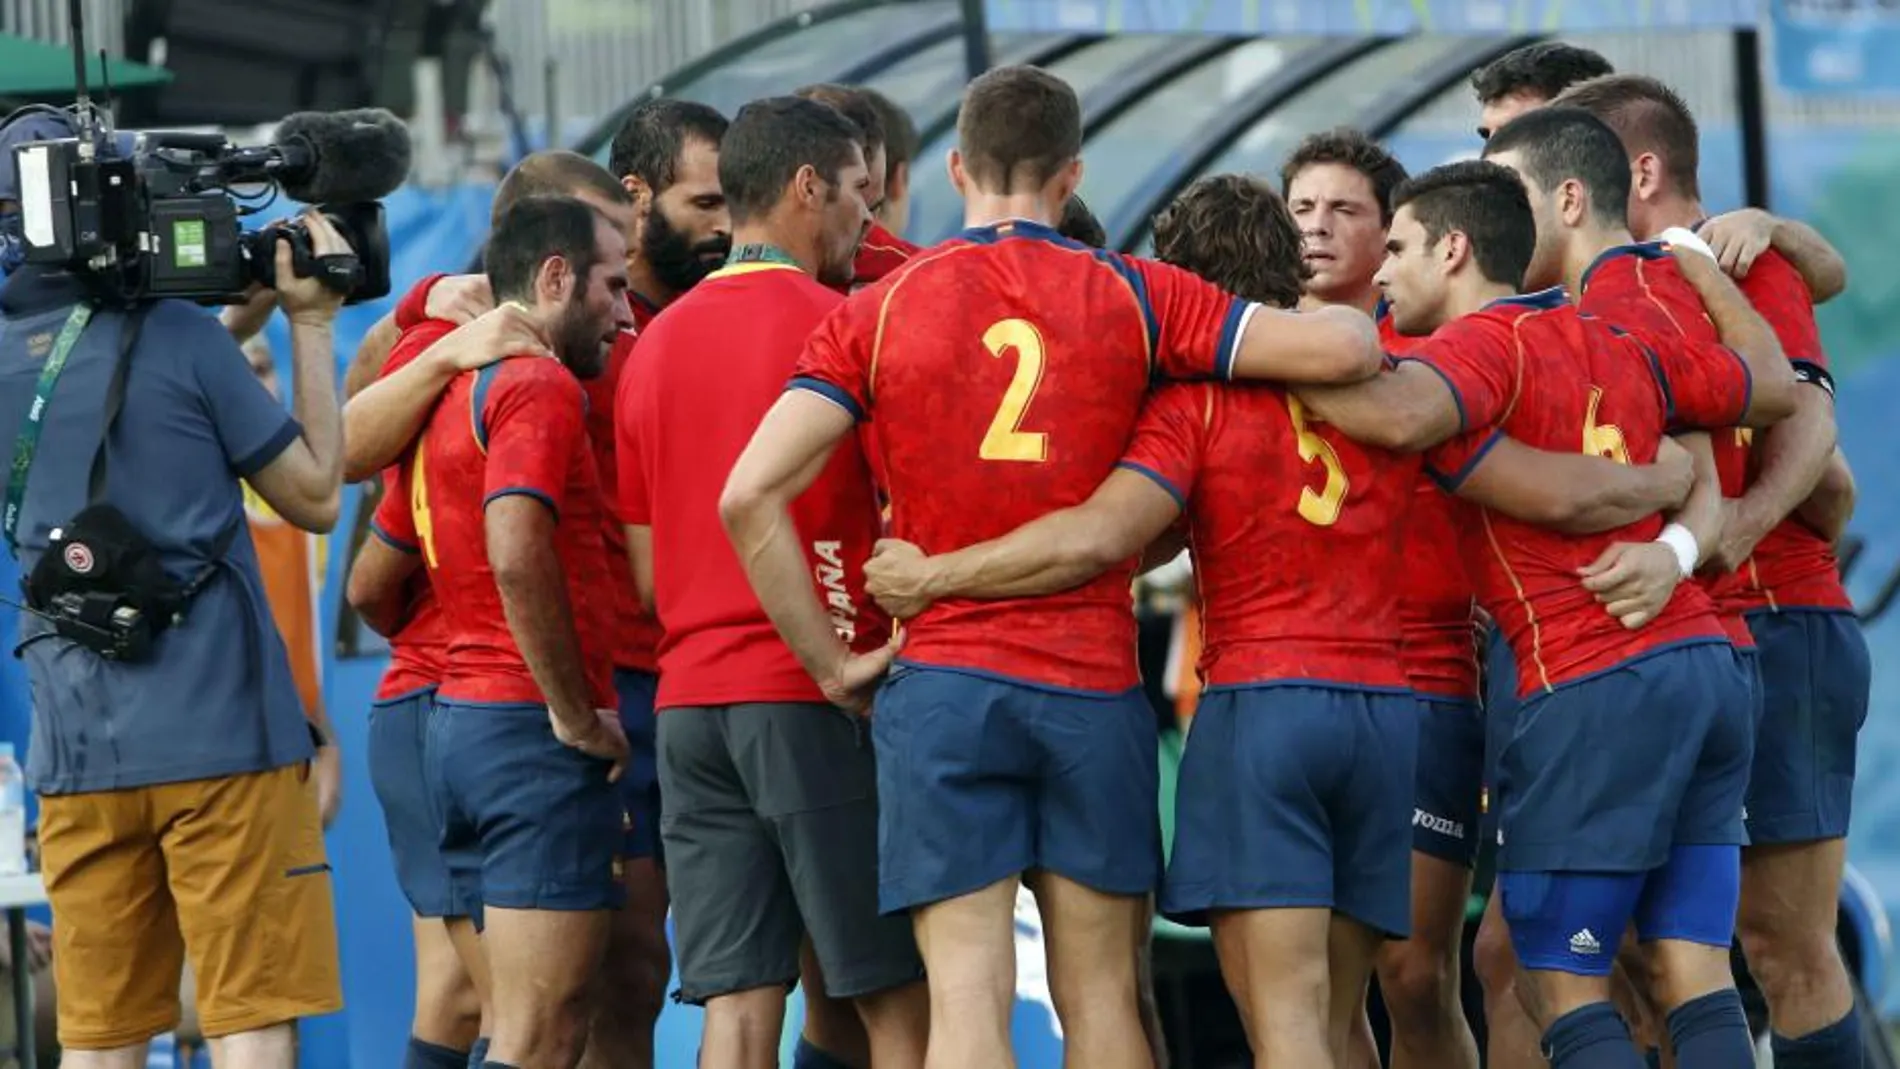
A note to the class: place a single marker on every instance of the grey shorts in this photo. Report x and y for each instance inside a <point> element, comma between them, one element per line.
<point>770,833</point>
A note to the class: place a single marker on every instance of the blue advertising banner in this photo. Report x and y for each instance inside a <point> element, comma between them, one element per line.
<point>1837,47</point>
<point>1357,17</point>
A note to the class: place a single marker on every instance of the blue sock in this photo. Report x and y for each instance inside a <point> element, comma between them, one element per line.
<point>1591,1037</point>
<point>1711,1032</point>
<point>806,1056</point>
<point>421,1055</point>
<point>1838,1046</point>
<point>478,1054</point>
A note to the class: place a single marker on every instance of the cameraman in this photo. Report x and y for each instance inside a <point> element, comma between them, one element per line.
<point>178,814</point>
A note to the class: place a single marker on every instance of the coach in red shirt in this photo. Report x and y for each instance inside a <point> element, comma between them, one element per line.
<point>770,826</point>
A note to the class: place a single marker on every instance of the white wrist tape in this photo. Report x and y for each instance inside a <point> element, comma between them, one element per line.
<point>1677,236</point>
<point>1682,542</point>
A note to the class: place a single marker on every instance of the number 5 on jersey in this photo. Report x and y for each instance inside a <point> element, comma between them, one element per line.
<point>1319,509</point>
<point>1006,440</point>
<point>419,508</point>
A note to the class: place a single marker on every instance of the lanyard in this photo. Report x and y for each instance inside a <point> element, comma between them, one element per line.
<point>769,254</point>
<point>29,440</point>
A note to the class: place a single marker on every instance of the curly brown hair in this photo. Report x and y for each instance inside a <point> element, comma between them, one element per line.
<point>1236,232</point>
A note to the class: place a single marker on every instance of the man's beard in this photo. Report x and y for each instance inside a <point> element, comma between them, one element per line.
<point>674,259</point>
<point>578,341</point>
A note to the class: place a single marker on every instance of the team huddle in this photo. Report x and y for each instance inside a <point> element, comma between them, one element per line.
<point>1510,516</point>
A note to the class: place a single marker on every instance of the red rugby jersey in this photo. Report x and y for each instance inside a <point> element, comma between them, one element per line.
<point>417,649</point>
<point>1535,368</point>
<point>1437,605</point>
<point>635,636</point>
<point>701,379</point>
<point>1296,532</point>
<point>1640,289</point>
<point>1792,567</point>
<point>517,426</point>
<point>1003,372</point>
<point>879,254</point>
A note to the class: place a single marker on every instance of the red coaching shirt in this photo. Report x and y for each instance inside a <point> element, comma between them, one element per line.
<point>1296,532</point>
<point>635,636</point>
<point>1535,368</point>
<point>1002,373</point>
<point>516,426</point>
<point>1792,566</point>
<point>1640,289</point>
<point>417,651</point>
<point>1437,605</point>
<point>700,380</point>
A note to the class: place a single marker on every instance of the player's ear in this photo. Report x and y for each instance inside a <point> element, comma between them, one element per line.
<point>1067,181</point>
<point>642,195</point>
<point>808,186</point>
<point>554,280</point>
<point>1454,249</point>
<point>1572,202</point>
<point>1645,176</point>
<point>959,180</point>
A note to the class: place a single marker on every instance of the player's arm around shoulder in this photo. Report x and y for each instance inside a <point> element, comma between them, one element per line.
<point>1333,345</point>
<point>1737,238</point>
<point>1407,408</point>
<point>1575,493</point>
<point>1772,384</point>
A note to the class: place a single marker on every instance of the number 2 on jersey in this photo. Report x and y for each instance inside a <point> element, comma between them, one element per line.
<point>1006,440</point>
<point>1604,440</point>
<point>1319,509</point>
<point>419,508</point>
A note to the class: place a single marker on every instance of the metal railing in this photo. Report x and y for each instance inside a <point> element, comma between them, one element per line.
<point>46,20</point>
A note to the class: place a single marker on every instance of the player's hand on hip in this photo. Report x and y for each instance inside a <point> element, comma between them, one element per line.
<point>1633,580</point>
<point>896,576</point>
<point>507,330</point>
<point>852,686</point>
<point>1737,238</point>
<point>460,299</point>
<point>602,738</point>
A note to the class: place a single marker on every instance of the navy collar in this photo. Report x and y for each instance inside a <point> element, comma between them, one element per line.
<point>1542,300</point>
<point>1642,250</point>
<point>1020,228</point>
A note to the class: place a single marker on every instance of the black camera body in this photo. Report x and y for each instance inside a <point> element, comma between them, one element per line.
<point>104,623</point>
<point>160,221</point>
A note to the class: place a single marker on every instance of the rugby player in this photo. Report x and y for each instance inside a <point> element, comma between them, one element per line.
<point>880,252</point>
<point>771,805</point>
<point>901,143</point>
<point>1528,77</point>
<point>1783,576</point>
<point>505,504</point>
<point>1589,839</point>
<point>1032,340</point>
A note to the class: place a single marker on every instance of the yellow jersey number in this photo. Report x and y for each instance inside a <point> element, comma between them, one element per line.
<point>419,507</point>
<point>1006,440</point>
<point>1602,440</point>
<point>1319,509</point>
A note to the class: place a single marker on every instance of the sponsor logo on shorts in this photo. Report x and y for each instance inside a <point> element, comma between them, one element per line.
<point>1432,822</point>
<point>829,571</point>
<point>1584,944</point>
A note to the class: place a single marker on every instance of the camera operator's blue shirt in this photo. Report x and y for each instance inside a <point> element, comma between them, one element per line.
<point>216,697</point>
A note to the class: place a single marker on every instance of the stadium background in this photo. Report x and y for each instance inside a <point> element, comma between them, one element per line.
<point>1171,89</point>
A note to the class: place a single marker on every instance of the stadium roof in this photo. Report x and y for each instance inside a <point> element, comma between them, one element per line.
<point>1161,109</point>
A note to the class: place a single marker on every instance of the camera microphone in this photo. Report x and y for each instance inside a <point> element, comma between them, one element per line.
<point>344,156</point>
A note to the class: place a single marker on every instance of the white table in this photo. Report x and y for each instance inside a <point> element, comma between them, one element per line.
<point>17,894</point>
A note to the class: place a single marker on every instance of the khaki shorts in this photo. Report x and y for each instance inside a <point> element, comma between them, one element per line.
<point>231,871</point>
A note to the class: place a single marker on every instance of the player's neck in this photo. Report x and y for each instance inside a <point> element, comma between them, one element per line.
<point>989,209</point>
<point>1666,211</point>
<point>801,249</point>
<point>1470,294</point>
<point>1586,247</point>
<point>646,285</point>
<point>1366,300</point>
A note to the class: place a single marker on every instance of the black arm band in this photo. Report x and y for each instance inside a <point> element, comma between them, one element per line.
<point>1810,372</point>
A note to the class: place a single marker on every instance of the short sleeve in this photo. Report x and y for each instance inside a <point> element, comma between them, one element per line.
<point>630,500</point>
<point>836,363</point>
<point>393,522</point>
<point>1452,461</point>
<point>253,427</point>
<point>1171,436</point>
<point>413,342</point>
<point>1781,295</point>
<point>1481,368</point>
<point>413,309</point>
<point>532,422</point>
<point>1706,384</point>
<point>1194,327</point>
